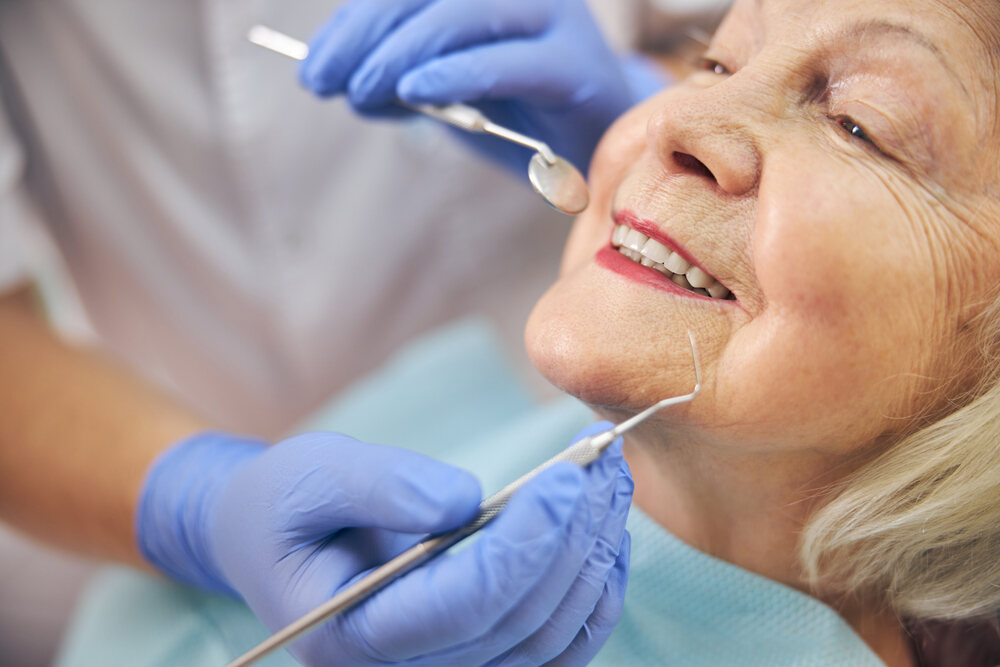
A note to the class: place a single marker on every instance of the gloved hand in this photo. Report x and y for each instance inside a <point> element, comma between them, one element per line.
<point>286,527</point>
<point>540,67</point>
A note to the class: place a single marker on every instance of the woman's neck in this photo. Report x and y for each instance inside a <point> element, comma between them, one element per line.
<point>749,510</point>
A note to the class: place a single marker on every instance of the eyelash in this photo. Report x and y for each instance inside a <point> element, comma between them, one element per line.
<point>713,66</point>
<point>853,129</point>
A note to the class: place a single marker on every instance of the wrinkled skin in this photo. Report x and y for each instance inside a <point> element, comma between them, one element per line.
<point>833,164</point>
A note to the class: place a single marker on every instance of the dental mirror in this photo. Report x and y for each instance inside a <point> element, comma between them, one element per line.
<point>559,183</point>
<point>554,178</point>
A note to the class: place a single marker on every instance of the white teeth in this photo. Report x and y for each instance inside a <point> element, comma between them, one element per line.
<point>717,291</point>
<point>677,264</point>
<point>635,240</point>
<point>619,236</point>
<point>652,254</point>
<point>656,251</point>
<point>699,278</point>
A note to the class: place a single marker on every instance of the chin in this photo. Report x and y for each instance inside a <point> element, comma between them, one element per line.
<point>588,351</point>
<point>560,355</point>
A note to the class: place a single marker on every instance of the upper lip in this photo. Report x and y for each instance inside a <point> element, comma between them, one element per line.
<point>653,231</point>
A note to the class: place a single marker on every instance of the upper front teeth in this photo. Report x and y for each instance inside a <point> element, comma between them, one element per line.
<point>699,278</point>
<point>651,253</point>
<point>677,264</point>
<point>635,240</point>
<point>656,251</point>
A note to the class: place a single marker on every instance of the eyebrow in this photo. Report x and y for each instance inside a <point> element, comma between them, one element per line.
<point>878,27</point>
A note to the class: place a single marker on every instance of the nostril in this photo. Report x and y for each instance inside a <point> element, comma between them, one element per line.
<point>692,164</point>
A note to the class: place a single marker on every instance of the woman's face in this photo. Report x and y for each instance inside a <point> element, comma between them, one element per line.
<point>833,166</point>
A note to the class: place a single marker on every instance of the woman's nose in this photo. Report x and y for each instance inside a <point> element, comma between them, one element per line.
<point>705,135</point>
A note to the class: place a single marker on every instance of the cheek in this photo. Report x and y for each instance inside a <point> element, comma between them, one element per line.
<point>797,386</point>
<point>850,304</point>
<point>590,232</point>
<point>835,242</point>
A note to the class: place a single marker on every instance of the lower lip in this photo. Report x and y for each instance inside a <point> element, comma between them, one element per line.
<point>609,258</point>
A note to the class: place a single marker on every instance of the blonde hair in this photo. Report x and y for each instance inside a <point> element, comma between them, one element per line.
<point>920,524</point>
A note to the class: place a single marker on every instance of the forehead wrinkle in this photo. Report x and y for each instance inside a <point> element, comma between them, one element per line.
<point>883,28</point>
<point>982,18</point>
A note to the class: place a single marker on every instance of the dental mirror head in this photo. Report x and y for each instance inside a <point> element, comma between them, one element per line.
<point>559,183</point>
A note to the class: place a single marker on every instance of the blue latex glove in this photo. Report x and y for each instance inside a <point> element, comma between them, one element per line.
<point>540,67</point>
<point>287,526</point>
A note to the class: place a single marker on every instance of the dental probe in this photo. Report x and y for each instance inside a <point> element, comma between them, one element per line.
<point>583,452</point>
<point>553,177</point>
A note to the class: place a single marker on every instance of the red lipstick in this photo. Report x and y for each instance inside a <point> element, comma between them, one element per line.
<point>610,258</point>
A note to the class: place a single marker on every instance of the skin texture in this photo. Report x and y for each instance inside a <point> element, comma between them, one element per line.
<point>833,164</point>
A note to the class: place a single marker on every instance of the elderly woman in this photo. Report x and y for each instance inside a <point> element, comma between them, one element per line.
<point>817,204</point>
<point>830,178</point>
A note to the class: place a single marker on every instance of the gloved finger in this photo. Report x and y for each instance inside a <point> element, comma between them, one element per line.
<point>345,40</point>
<point>388,112</point>
<point>462,595</point>
<point>439,28</point>
<point>329,481</point>
<point>608,611</point>
<point>506,70</point>
<point>539,605</point>
<point>587,590</point>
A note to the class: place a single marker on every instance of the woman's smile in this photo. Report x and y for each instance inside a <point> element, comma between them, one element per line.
<point>669,266</point>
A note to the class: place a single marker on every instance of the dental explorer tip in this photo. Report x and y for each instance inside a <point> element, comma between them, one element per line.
<point>697,367</point>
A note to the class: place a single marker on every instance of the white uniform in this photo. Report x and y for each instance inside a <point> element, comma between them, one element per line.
<point>230,237</point>
<point>227,233</point>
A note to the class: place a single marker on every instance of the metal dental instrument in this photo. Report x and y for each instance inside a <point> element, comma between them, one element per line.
<point>553,177</point>
<point>583,452</point>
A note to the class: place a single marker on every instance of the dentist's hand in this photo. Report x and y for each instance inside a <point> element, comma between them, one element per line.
<point>286,527</point>
<point>540,67</point>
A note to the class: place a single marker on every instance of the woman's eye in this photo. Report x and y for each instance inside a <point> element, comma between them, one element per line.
<point>853,129</point>
<point>714,66</point>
